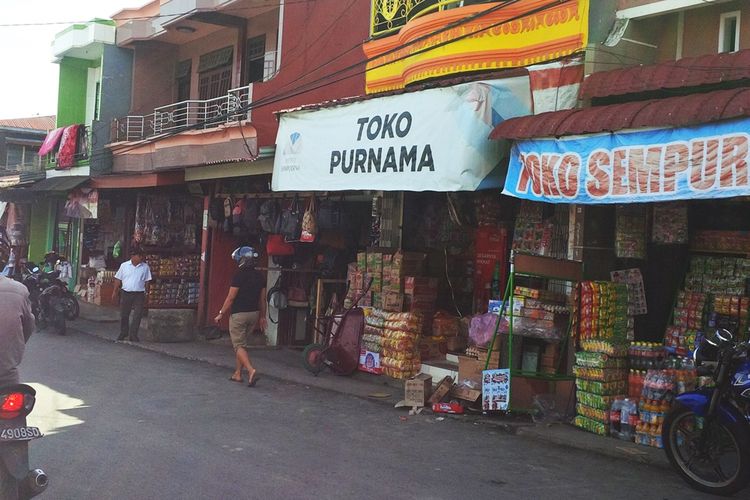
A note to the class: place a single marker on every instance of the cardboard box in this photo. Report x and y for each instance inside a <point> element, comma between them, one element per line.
<point>465,393</point>
<point>432,348</point>
<point>442,390</point>
<point>469,369</point>
<point>416,285</point>
<point>417,389</point>
<point>370,362</point>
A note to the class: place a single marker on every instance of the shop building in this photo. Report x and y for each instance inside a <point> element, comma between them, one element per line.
<point>653,174</point>
<point>418,146</point>
<point>20,141</point>
<point>207,82</point>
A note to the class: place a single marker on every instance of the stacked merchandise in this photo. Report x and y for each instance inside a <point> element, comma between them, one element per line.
<point>532,234</point>
<point>175,281</point>
<point>687,322</point>
<point>630,232</point>
<point>725,279</point>
<point>539,313</point>
<point>372,341</point>
<point>601,365</point>
<point>420,298</point>
<point>400,355</point>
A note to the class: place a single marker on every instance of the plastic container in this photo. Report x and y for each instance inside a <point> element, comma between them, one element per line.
<point>628,419</point>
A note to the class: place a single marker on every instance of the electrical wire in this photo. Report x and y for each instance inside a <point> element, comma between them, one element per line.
<point>277,3</point>
<point>317,83</point>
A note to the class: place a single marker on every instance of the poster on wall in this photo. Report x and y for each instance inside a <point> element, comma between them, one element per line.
<point>82,203</point>
<point>636,291</point>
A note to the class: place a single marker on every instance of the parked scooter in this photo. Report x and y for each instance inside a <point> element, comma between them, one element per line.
<point>17,480</point>
<point>48,301</point>
<point>706,434</point>
<point>54,261</point>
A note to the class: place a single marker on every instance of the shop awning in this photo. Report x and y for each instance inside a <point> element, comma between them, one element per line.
<point>61,184</point>
<point>431,140</point>
<point>138,180</point>
<point>680,111</point>
<point>687,72</point>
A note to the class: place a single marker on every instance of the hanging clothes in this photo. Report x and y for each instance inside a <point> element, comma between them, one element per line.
<point>51,141</point>
<point>68,147</point>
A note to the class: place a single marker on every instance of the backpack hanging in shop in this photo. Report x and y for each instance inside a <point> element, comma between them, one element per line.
<point>237,211</point>
<point>250,216</point>
<point>269,216</point>
<point>291,221</point>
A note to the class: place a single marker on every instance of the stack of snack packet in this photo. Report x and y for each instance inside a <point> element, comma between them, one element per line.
<point>400,353</point>
<point>601,368</point>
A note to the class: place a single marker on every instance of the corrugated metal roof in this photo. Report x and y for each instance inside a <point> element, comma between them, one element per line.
<point>680,111</point>
<point>34,123</point>
<point>685,72</point>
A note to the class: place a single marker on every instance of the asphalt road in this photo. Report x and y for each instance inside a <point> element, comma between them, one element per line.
<point>123,423</point>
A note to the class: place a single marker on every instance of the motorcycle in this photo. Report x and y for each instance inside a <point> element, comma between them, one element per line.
<point>52,278</point>
<point>706,434</point>
<point>17,480</point>
<point>47,302</point>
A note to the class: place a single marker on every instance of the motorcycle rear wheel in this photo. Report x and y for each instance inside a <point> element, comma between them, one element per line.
<point>72,308</point>
<point>682,431</point>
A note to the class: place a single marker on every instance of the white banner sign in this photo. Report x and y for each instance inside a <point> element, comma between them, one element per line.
<point>432,140</point>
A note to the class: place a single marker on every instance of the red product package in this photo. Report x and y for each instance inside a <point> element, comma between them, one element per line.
<point>455,408</point>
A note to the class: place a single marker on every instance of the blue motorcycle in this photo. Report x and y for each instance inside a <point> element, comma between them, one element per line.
<point>706,434</point>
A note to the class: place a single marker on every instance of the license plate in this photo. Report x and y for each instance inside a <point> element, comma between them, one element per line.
<point>19,434</point>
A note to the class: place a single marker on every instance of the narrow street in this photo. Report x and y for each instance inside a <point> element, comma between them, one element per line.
<point>123,423</point>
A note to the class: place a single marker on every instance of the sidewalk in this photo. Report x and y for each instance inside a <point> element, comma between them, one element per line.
<point>285,365</point>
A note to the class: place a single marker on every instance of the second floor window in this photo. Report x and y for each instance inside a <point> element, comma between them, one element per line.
<point>215,70</point>
<point>21,158</point>
<point>182,80</point>
<point>255,56</point>
<point>729,32</point>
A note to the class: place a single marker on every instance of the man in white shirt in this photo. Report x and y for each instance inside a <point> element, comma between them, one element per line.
<point>133,277</point>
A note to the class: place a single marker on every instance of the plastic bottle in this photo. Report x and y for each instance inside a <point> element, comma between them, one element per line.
<point>615,414</point>
<point>628,415</point>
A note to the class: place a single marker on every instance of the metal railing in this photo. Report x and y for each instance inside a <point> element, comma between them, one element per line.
<point>190,114</point>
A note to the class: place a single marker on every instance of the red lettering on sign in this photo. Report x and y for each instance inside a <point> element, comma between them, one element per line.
<point>597,185</point>
<point>567,175</point>
<point>549,186</point>
<point>734,162</point>
<point>703,164</point>
<point>676,158</point>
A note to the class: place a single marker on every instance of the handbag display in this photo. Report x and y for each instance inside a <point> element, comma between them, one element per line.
<point>291,221</point>
<point>297,296</point>
<point>277,245</point>
<point>309,222</point>
<point>277,299</point>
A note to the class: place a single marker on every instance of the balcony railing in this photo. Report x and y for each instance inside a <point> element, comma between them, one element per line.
<point>184,115</point>
<point>389,16</point>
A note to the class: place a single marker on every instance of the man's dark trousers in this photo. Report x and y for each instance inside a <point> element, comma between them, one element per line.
<point>131,301</point>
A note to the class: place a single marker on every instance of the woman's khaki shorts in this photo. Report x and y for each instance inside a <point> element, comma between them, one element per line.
<point>241,325</point>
